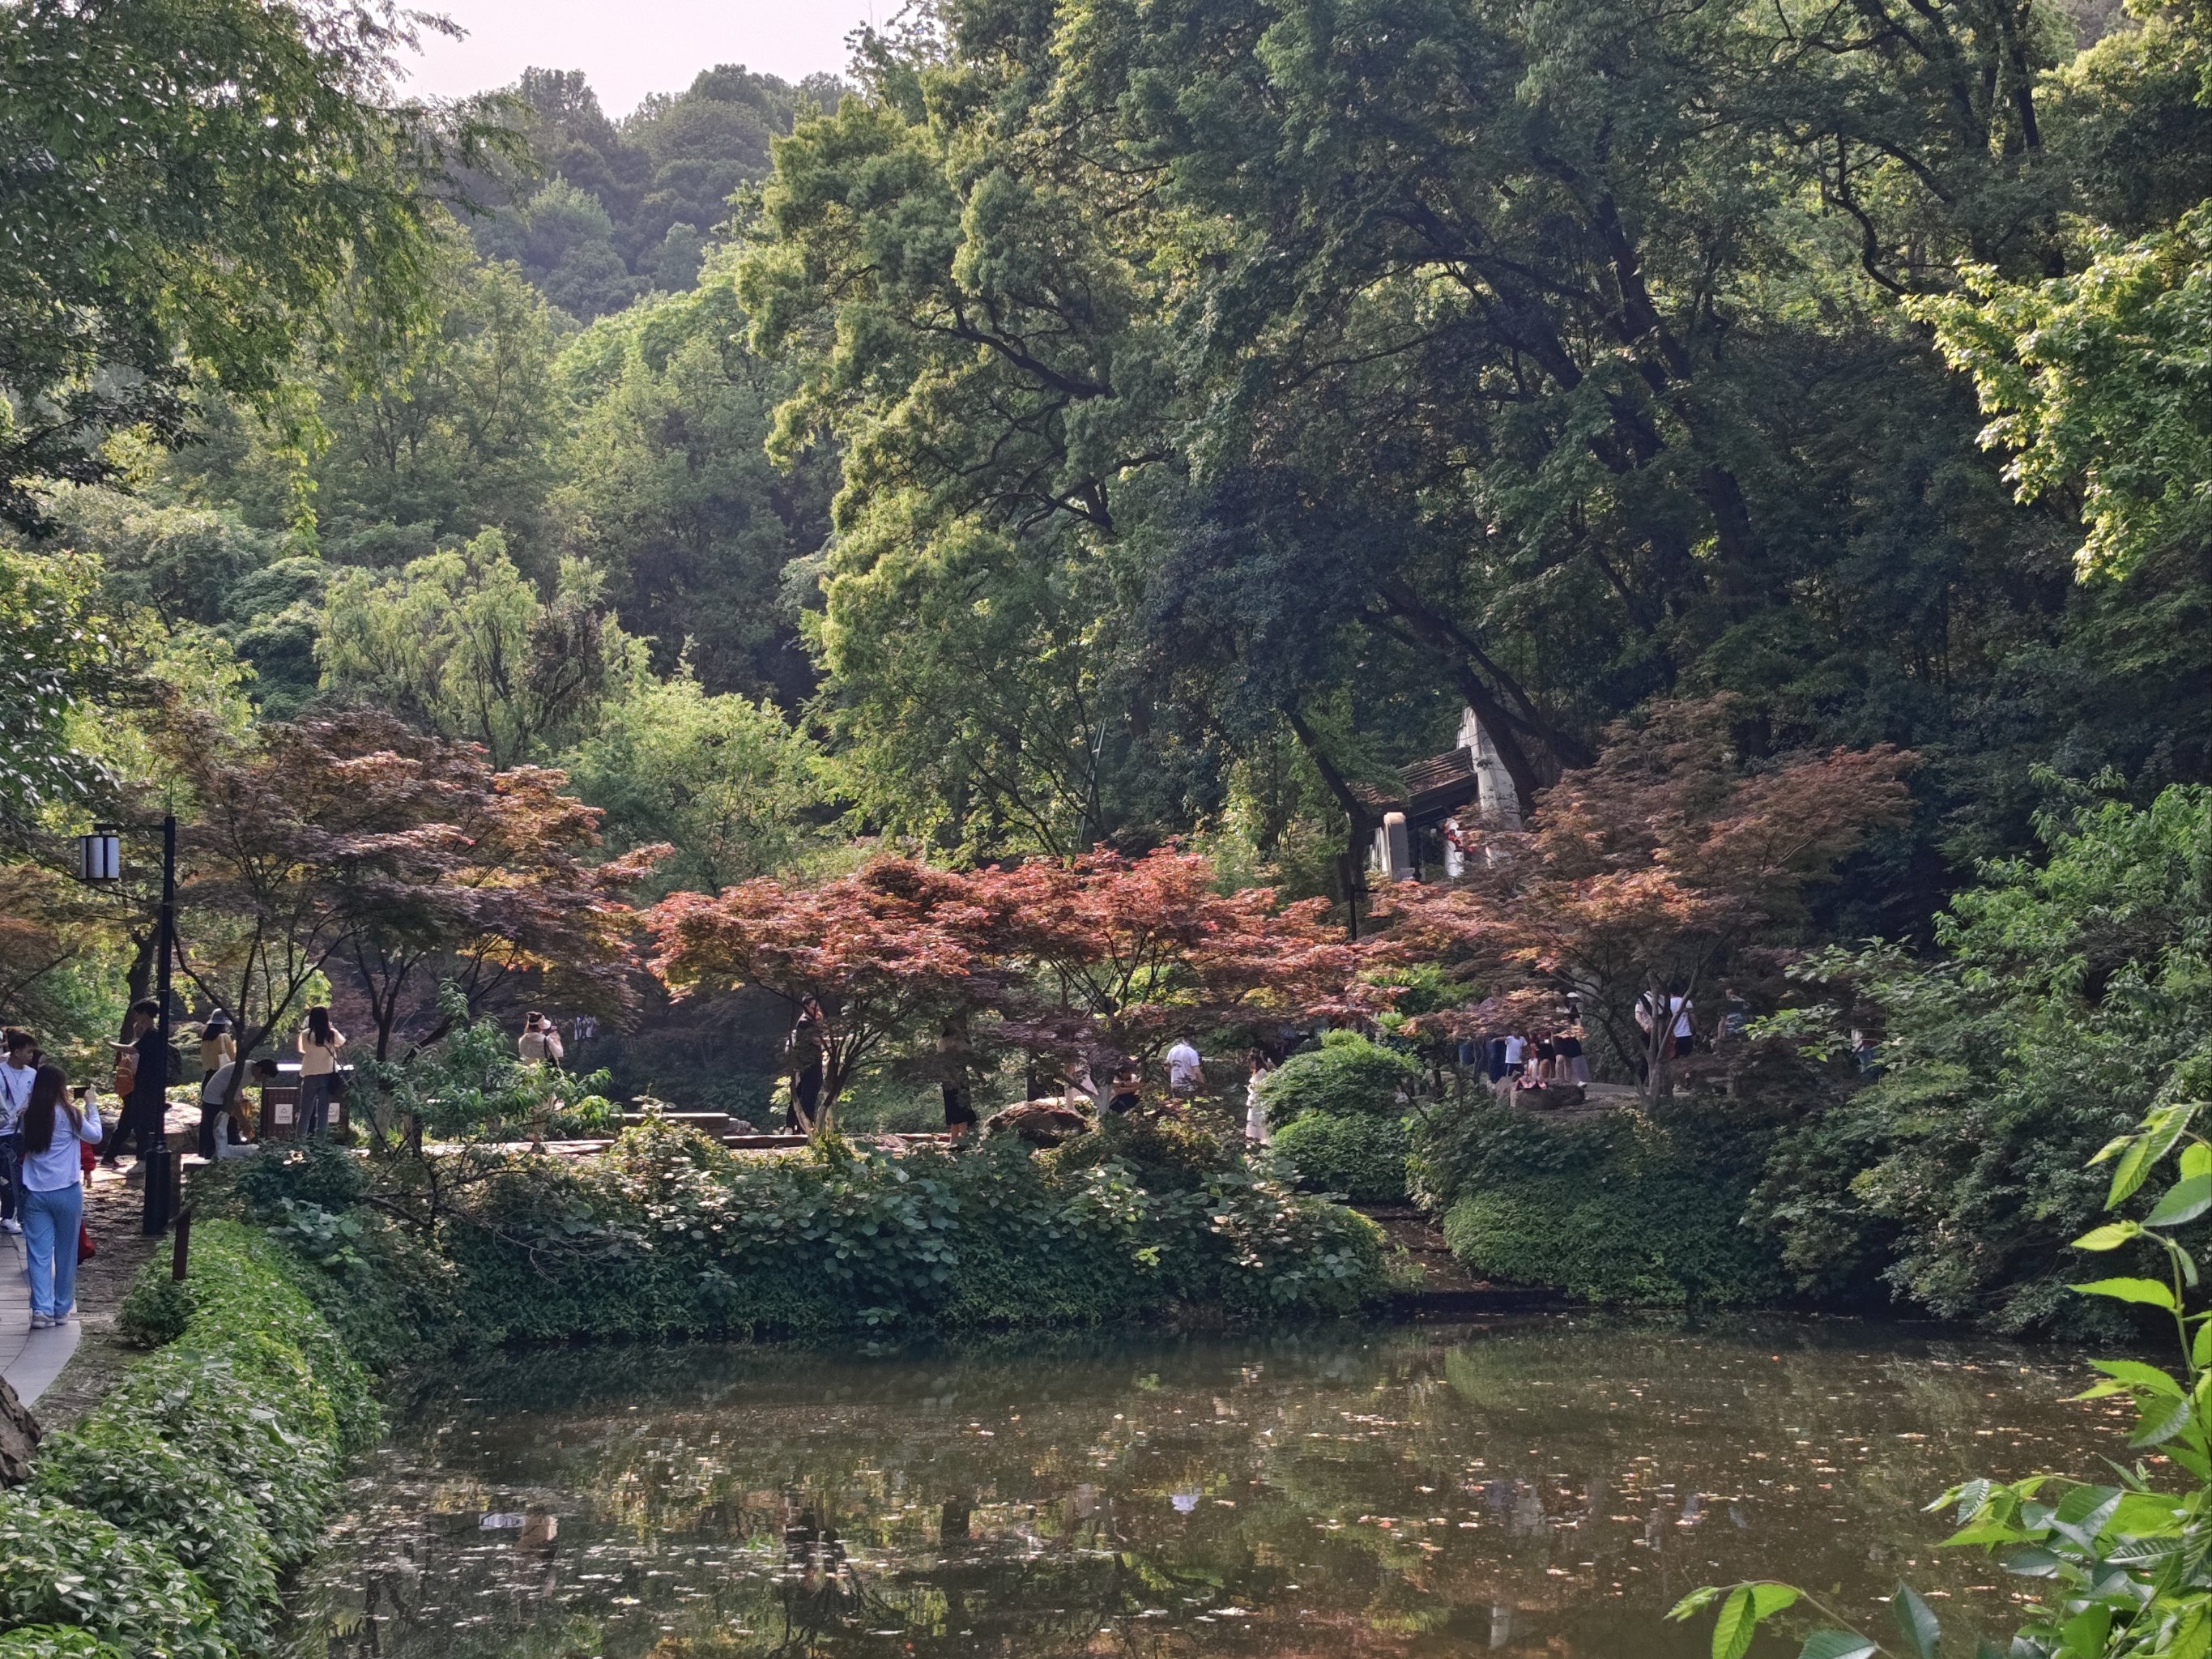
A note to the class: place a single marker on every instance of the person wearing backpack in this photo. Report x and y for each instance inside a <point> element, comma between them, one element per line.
<point>145,1062</point>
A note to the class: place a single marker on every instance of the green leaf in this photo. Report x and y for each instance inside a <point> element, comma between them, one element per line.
<point>1738,1619</point>
<point>2200,1346</point>
<point>2131,1290</point>
<point>1696,1601</point>
<point>2110,1237</point>
<point>2160,1423</point>
<point>1917,1620</point>
<point>2183,1202</point>
<point>2197,1159</point>
<point>2135,1373</point>
<point>1836,1644</point>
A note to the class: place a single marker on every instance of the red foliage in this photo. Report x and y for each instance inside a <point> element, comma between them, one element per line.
<point>884,952</point>
<point>1106,957</point>
<point>1646,873</point>
<point>1115,955</point>
<point>351,834</point>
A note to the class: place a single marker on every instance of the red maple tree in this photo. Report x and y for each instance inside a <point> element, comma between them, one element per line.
<point>891,950</point>
<point>516,896</point>
<point>1109,956</point>
<point>1645,875</point>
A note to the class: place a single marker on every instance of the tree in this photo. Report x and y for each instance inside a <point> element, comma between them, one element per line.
<point>190,183</point>
<point>2092,383</point>
<point>885,952</point>
<point>516,890</point>
<point>1112,957</point>
<point>728,783</point>
<point>348,831</point>
<point>61,650</point>
<point>668,488</point>
<point>1647,874</point>
<point>464,643</point>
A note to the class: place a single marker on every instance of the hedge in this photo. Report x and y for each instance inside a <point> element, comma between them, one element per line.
<point>1347,1076</point>
<point>1362,1159</point>
<point>669,1236</point>
<point>1632,1208</point>
<point>159,1525</point>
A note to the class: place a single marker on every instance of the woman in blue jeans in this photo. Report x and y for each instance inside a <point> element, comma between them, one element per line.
<point>54,1126</point>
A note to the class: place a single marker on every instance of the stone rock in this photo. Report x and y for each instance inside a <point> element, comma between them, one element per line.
<point>1042,1123</point>
<point>19,1437</point>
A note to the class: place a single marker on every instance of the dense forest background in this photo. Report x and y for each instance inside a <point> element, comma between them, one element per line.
<point>1079,427</point>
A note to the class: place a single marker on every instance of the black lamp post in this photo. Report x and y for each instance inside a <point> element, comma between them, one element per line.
<point>100,860</point>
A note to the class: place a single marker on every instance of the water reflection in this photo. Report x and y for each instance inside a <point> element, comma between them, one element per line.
<point>1538,1487</point>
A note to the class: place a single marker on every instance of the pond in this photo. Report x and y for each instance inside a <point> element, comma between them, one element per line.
<point>1545,1486</point>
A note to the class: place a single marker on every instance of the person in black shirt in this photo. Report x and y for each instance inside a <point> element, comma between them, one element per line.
<point>143,1112</point>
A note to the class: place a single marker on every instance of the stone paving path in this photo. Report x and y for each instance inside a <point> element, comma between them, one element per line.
<point>29,1360</point>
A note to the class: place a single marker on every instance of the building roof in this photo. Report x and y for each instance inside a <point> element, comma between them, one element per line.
<point>1429,791</point>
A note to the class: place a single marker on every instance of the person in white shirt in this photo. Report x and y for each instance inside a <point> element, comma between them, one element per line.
<point>540,1040</point>
<point>1683,1032</point>
<point>213,1106</point>
<point>1186,1072</point>
<point>16,1075</point>
<point>1255,1107</point>
<point>54,1127</point>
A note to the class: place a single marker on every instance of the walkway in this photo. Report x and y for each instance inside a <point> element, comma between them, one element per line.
<point>29,1360</point>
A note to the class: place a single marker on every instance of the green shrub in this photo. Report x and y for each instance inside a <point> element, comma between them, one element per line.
<point>55,1642</point>
<point>124,1474</point>
<point>63,1565</point>
<point>670,1235</point>
<point>1168,1151</point>
<point>1346,1077</point>
<point>1363,1158</point>
<point>155,1309</point>
<point>1627,1208</point>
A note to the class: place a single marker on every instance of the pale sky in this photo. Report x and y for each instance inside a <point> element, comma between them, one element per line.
<point>631,47</point>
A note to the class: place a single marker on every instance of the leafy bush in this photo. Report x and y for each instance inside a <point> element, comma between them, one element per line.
<point>63,1565</point>
<point>2071,992</point>
<point>1346,1077</point>
<point>55,1642</point>
<point>1629,1208</point>
<point>1168,1151</point>
<point>672,1235</point>
<point>122,1473</point>
<point>155,1309</point>
<point>1362,1158</point>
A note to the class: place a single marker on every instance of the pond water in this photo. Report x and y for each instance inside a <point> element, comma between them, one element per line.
<point>1535,1486</point>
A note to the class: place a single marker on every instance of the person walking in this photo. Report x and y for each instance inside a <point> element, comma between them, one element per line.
<point>1573,1063</point>
<point>804,1050</point>
<point>956,1054</point>
<point>1127,1090</point>
<point>1186,1071</point>
<point>17,1073</point>
<point>218,1047</point>
<point>142,1061</point>
<point>54,1127</point>
<point>320,1044</point>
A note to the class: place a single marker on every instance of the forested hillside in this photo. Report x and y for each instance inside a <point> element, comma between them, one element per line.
<point>1081,425</point>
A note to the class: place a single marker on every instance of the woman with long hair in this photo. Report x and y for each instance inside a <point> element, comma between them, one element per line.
<point>319,1043</point>
<point>54,1127</point>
